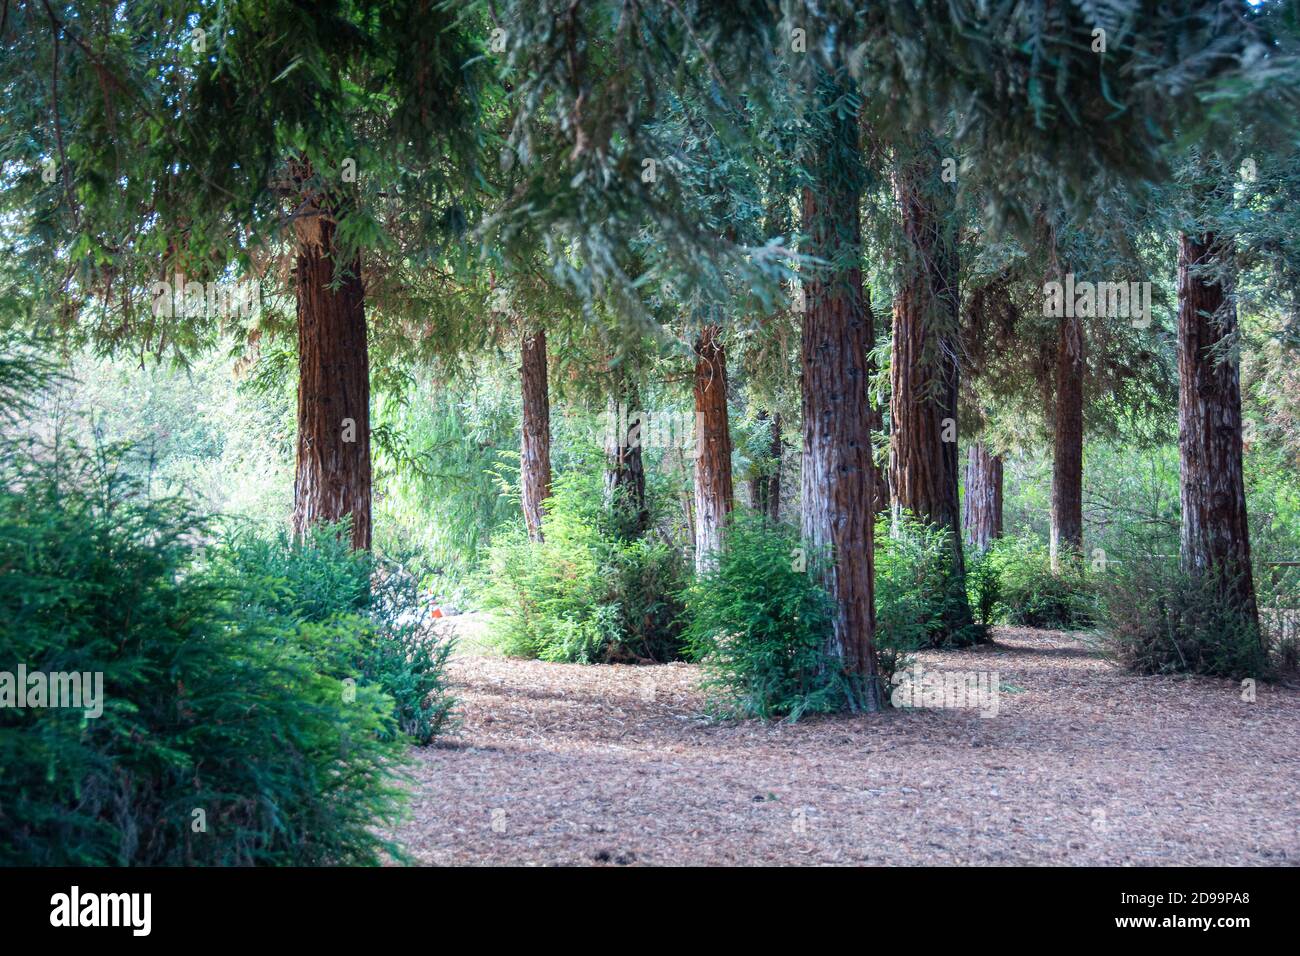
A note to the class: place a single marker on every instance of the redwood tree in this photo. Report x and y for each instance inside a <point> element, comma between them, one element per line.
<point>1215,536</point>
<point>983,516</point>
<point>924,372</point>
<point>535,450</point>
<point>332,465</point>
<point>836,475</point>
<point>713,485</point>
<point>1067,445</point>
<point>624,465</point>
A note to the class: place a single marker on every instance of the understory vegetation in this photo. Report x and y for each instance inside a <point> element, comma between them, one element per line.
<point>255,695</point>
<point>789,341</point>
<point>1015,580</point>
<point>760,625</point>
<point>586,593</point>
<point>1162,620</point>
<point>591,592</point>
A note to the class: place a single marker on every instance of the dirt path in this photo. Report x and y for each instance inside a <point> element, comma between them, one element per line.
<point>566,764</point>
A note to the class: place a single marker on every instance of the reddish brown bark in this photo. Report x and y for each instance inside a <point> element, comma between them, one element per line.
<point>765,486</point>
<point>982,518</point>
<point>713,485</point>
<point>924,375</point>
<point>923,366</point>
<point>836,475</point>
<point>535,447</point>
<point>332,477</point>
<point>1067,455</point>
<point>1215,533</point>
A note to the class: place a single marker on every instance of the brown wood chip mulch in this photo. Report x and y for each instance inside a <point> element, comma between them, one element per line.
<point>1083,764</point>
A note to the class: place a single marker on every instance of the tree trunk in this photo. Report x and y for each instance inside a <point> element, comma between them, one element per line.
<point>713,486</point>
<point>1215,534</point>
<point>332,471</point>
<point>983,517</point>
<point>924,376</point>
<point>624,467</point>
<point>1067,457</point>
<point>765,485</point>
<point>836,477</point>
<point>535,450</point>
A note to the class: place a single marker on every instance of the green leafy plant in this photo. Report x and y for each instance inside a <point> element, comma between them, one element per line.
<point>759,624</point>
<point>366,617</point>
<point>1158,619</point>
<point>585,593</point>
<point>1030,594</point>
<point>984,587</point>
<point>222,739</point>
<point>913,587</point>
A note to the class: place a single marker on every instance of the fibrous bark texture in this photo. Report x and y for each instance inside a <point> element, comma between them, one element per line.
<point>535,449</point>
<point>1067,456</point>
<point>1215,534</point>
<point>983,516</point>
<point>332,476</point>
<point>836,490</point>
<point>924,372</point>
<point>713,484</point>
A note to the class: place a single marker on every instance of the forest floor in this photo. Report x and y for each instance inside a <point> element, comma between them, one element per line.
<point>1083,764</point>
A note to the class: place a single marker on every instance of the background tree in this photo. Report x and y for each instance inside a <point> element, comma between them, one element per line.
<point>535,452</point>
<point>238,140</point>
<point>982,519</point>
<point>925,367</point>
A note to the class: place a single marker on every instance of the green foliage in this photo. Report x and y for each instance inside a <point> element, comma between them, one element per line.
<point>760,625</point>
<point>440,473</point>
<point>1157,619</point>
<point>366,618</point>
<point>910,561</point>
<point>1030,594</point>
<point>984,588</point>
<point>183,135</point>
<point>916,597</point>
<point>222,740</point>
<point>224,443</point>
<point>641,619</point>
<point>585,593</point>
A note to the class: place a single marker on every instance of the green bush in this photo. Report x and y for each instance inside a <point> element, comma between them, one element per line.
<point>983,587</point>
<point>585,593</point>
<point>366,617</point>
<point>1030,594</point>
<point>759,623</point>
<point>641,620</point>
<point>1157,619</point>
<point>222,739</point>
<point>915,599</point>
